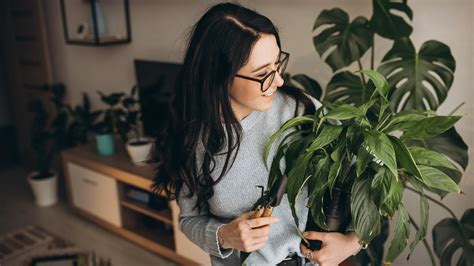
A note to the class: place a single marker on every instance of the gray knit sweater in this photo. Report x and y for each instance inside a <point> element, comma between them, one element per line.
<point>236,193</point>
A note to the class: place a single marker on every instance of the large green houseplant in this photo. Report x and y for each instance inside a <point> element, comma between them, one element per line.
<point>364,149</point>
<point>418,79</point>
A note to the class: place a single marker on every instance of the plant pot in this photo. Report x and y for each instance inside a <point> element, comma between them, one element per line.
<point>338,215</point>
<point>44,189</point>
<point>105,144</point>
<point>139,150</point>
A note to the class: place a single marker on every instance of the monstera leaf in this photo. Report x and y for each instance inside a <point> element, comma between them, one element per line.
<point>387,24</point>
<point>450,235</point>
<point>433,64</point>
<point>347,87</point>
<point>310,85</point>
<point>352,39</point>
<point>451,144</point>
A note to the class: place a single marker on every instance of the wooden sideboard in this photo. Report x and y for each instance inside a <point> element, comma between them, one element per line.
<point>96,187</point>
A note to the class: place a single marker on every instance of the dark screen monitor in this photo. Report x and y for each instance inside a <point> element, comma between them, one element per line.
<point>155,81</point>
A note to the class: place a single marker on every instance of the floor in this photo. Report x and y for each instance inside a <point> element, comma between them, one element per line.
<point>17,209</point>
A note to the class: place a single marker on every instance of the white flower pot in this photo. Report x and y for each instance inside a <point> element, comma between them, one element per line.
<point>139,153</point>
<point>44,190</point>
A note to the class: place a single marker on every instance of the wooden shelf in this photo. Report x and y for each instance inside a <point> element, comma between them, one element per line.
<point>164,215</point>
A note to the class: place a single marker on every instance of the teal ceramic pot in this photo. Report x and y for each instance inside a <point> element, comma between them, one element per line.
<point>105,144</point>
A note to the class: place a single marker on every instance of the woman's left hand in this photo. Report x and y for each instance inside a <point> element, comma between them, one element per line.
<point>335,249</point>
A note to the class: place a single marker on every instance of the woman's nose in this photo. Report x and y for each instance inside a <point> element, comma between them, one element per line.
<point>278,80</point>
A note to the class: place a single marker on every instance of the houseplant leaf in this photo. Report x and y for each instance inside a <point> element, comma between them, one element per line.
<point>404,156</point>
<point>344,112</point>
<point>423,226</point>
<point>365,215</point>
<point>401,235</point>
<point>436,179</point>
<point>449,235</point>
<point>308,84</point>
<point>379,81</point>
<point>380,146</point>
<point>386,23</point>
<point>328,134</point>
<point>348,88</point>
<point>451,145</point>
<point>419,69</point>
<point>430,127</point>
<point>352,39</point>
<point>430,158</point>
<point>297,121</point>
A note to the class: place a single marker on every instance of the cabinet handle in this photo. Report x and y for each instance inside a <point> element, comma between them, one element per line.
<point>90,182</point>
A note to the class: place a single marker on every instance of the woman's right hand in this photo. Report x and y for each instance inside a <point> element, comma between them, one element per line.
<point>246,234</point>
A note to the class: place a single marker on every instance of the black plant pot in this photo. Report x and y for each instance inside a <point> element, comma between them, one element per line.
<point>338,215</point>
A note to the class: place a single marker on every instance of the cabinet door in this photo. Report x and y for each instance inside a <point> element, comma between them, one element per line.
<point>95,193</point>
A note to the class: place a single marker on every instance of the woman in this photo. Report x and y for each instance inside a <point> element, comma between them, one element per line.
<point>227,105</point>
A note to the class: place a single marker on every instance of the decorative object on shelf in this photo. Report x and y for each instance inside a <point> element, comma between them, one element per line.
<point>112,120</point>
<point>99,31</point>
<point>138,146</point>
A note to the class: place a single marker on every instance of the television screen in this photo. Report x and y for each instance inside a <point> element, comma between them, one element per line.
<point>155,81</point>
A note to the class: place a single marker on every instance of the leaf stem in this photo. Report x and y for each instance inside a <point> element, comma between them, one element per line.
<point>425,243</point>
<point>372,53</point>
<point>457,107</point>
<point>435,201</point>
<point>362,77</point>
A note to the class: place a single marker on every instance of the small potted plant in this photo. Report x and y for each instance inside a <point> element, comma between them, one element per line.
<point>138,146</point>
<point>82,122</point>
<point>357,161</point>
<point>107,128</point>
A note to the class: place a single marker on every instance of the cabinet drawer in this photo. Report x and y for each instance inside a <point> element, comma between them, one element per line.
<point>94,193</point>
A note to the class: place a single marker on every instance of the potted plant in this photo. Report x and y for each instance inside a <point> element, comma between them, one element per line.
<point>138,146</point>
<point>365,151</point>
<point>49,135</point>
<point>106,129</point>
<point>82,122</point>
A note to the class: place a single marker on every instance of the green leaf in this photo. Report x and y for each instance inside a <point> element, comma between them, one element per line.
<point>310,85</point>
<point>451,145</point>
<point>380,185</point>
<point>348,88</point>
<point>297,121</point>
<point>430,158</point>
<point>404,120</point>
<point>423,226</point>
<point>430,127</point>
<point>409,72</point>
<point>379,81</point>
<point>363,159</point>
<point>365,215</point>
<point>394,198</point>
<point>297,176</point>
<point>405,157</point>
<point>328,134</point>
<point>450,235</point>
<point>352,39</point>
<point>436,179</point>
<point>400,236</point>
<point>379,144</point>
<point>386,23</point>
<point>344,112</point>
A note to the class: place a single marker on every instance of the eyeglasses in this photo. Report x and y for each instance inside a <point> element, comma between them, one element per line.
<point>267,81</point>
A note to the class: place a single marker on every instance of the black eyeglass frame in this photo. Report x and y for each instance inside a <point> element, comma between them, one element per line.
<point>281,62</point>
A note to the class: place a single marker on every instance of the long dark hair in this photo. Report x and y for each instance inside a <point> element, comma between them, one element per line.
<point>220,44</point>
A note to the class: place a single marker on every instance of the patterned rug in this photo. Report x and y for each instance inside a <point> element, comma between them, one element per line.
<point>33,245</point>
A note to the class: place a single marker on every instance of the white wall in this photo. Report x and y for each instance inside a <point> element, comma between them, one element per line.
<point>159,31</point>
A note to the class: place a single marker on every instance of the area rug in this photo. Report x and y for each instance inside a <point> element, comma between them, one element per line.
<point>32,244</point>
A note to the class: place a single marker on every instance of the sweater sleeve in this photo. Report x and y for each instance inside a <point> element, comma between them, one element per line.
<point>200,227</point>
